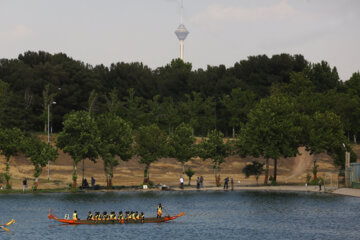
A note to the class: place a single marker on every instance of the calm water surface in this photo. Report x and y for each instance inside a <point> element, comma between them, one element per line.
<point>209,215</point>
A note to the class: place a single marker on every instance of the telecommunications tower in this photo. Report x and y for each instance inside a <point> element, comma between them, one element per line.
<point>181,33</point>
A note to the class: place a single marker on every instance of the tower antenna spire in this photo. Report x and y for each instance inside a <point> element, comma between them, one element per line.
<point>181,12</point>
<point>181,32</point>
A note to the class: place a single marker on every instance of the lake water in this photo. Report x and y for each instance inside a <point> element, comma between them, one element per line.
<point>209,215</point>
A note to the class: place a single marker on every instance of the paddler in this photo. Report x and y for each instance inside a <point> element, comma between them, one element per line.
<point>133,216</point>
<point>137,215</point>
<point>112,216</point>
<point>159,211</point>
<point>75,216</point>
<point>142,217</point>
<point>105,216</point>
<point>126,216</point>
<point>121,217</point>
<point>90,216</point>
<point>96,216</point>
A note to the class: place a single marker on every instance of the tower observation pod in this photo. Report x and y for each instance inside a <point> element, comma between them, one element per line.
<point>181,33</point>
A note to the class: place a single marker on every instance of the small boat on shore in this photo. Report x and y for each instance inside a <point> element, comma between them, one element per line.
<point>146,220</point>
<point>3,226</point>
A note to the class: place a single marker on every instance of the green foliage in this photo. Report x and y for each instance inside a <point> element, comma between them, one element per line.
<point>10,140</point>
<point>79,138</point>
<point>255,168</point>
<point>115,140</point>
<point>272,131</point>
<point>182,144</point>
<point>189,172</point>
<point>151,144</point>
<point>238,105</point>
<point>214,148</point>
<point>40,153</point>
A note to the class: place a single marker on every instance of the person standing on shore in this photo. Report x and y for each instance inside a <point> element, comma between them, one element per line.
<point>24,185</point>
<point>198,183</point>
<point>93,183</point>
<point>320,184</point>
<point>181,182</point>
<point>232,184</point>
<point>201,181</point>
<point>226,183</point>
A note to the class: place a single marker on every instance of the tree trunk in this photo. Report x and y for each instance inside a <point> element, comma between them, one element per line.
<point>315,169</point>
<point>109,182</point>
<point>183,167</point>
<point>83,169</point>
<point>233,132</point>
<point>275,169</point>
<point>74,176</point>
<point>355,139</point>
<point>7,173</point>
<point>266,171</point>
<point>146,174</point>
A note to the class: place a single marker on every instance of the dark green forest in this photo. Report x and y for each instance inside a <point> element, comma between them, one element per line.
<point>213,98</point>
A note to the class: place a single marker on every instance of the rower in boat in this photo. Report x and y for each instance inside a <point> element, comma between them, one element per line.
<point>142,217</point>
<point>121,217</point>
<point>90,216</point>
<point>137,217</point>
<point>112,216</point>
<point>159,211</point>
<point>133,217</point>
<point>105,216</point>
<point>97,216</point>
<point>75,216</point>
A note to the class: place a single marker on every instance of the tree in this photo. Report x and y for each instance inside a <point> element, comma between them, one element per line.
<point>189,172</point>
<point>182,144</point>
<point>255,168</point>
<point>272,131</point>
<point>80,138</point>
<point>115,140</point>
<point>40,154</point>
<point>151,144</point>
<point>134,109</point>
<point>238,105</point>
<point>214,148</point>
<point>9,146</point>
<point>325,133</point>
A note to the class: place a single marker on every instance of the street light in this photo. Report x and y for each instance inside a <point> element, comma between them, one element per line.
<point>48,125</point>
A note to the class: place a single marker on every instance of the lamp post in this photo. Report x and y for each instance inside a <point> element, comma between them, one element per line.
<point>48,131</point>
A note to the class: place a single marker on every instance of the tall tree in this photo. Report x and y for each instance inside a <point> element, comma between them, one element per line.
<point>182,144</point>
<point>115,140</point>
<point>79,138</point>
<point>238,105</point>
<point>151,144</point>
<point>272,131</point>
<point>325,134</point>
<point>40,154</point>
<point>134,109</point>
<point>9,146</point>
<point>214,148</point>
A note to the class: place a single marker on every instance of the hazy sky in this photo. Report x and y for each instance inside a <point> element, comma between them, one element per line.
<point>221,31</point>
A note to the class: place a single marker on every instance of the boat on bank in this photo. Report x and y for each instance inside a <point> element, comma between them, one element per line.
<point>146,220</point>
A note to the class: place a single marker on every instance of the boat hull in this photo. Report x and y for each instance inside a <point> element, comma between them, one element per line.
<point>146,220</point>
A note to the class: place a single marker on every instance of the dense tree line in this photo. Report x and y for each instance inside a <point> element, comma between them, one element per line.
<point>273,105</point>
<point>215,97</point>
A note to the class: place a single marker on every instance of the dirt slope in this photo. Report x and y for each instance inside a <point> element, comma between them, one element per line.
<point>166,171</point>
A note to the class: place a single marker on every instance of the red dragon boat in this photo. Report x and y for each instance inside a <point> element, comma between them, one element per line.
<point>146,220</point>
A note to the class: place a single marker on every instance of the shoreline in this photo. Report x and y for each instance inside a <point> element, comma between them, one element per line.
<point>351,192</point>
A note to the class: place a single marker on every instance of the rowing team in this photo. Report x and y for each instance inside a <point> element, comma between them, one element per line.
<point>129,216</point>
